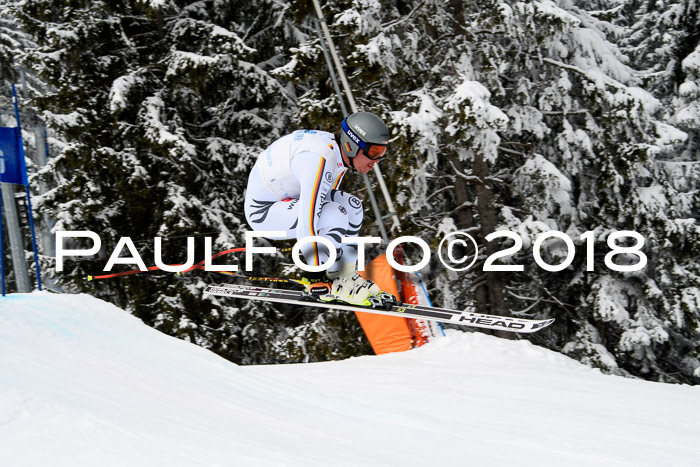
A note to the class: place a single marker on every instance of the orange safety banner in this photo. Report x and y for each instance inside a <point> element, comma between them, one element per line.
<point>410,296</point>
<point>386,334</point>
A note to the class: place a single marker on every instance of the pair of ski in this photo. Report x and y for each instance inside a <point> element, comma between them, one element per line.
<point>386,306</point>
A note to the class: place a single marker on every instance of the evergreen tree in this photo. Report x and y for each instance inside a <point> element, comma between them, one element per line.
<point>163,107</point>
<point>529,117</point>
<point>12,41</point>
<point>579,117</point>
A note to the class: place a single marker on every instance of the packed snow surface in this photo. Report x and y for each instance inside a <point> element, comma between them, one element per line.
<point>83,383</point>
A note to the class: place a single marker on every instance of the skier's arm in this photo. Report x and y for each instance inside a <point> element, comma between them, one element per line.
<point>315,176</point>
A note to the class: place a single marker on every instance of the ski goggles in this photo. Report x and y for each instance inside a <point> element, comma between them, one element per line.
<point>371,151</point>
<point>374,152</point>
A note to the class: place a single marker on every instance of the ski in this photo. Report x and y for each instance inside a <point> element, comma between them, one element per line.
<point>390,308</point>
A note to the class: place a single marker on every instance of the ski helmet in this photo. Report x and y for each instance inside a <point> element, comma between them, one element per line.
<point>366,131</point>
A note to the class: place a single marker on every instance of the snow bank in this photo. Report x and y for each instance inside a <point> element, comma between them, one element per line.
<point>85,383</point>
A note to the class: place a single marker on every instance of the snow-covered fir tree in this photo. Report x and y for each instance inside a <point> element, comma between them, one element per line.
<point>162,108</point>
<point>526,116</point>
<point>529,117</point>
<point>12,41</point>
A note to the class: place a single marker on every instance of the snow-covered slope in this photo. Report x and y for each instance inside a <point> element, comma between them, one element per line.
<point>83,383</point>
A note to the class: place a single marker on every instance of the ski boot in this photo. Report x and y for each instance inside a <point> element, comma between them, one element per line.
<point>347,286</point>
<point>351,288</point>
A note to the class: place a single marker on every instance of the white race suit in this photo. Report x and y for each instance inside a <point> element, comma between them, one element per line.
<point>293,188</point>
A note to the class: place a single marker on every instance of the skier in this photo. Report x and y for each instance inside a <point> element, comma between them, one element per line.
<point>293,187</point>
